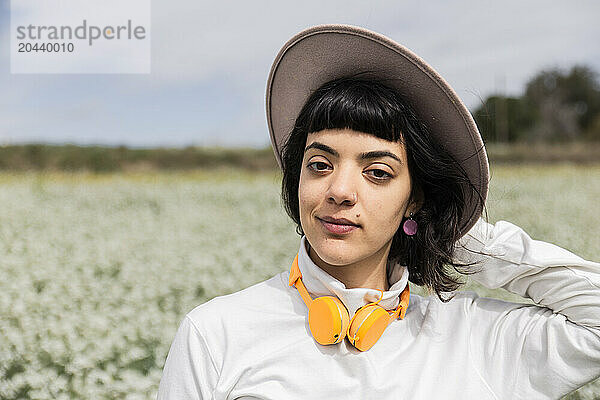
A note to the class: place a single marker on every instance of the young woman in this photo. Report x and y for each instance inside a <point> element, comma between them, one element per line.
<point>385,175</point>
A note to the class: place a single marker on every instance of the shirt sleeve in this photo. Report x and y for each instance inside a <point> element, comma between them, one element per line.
<point>189,371</point>
<point>532,351</point>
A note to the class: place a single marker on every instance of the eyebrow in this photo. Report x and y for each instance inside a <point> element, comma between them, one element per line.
<point>362,156</point>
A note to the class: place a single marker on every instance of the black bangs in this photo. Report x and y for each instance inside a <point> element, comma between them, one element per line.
<point>356,104</point>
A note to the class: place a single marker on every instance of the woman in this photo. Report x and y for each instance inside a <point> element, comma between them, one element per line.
<point>386,177</point>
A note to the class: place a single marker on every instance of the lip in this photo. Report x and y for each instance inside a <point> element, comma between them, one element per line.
<point>339,226</point>
<point>337,221</point>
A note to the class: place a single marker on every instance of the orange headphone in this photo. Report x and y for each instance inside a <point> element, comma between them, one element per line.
<point>329,322</point>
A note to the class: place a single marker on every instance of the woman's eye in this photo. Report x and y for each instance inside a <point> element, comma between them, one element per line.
<point>379,174</point>
<point>318,166</point>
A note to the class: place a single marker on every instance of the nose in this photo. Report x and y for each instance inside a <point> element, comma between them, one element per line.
<point>342,187</point>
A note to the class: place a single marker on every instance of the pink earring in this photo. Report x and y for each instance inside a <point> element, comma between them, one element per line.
<point>410,226</point>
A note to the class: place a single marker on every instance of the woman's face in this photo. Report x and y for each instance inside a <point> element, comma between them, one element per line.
<point>358,177</point>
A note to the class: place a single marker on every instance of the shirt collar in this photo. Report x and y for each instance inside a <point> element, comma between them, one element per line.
<point>320,283</point>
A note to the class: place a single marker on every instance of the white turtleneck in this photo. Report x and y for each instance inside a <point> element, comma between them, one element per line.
<point>320,283</point>
<point>256,343</point>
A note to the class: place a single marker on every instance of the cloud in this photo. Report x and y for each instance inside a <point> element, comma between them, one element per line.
<point>210,62</point>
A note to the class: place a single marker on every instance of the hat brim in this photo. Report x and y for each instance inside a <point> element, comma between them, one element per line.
<point>322,53</point>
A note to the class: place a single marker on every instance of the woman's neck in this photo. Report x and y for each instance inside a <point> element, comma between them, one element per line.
<point>368,273</point>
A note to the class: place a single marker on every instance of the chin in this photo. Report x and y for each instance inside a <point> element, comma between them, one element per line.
<point>332,250</point>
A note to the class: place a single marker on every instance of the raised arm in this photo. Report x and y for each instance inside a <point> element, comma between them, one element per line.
<point>529,351</point>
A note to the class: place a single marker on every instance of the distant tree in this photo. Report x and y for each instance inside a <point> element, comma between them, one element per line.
<point>593,132</point>
<point>504,119</point>
<point>580,89</point>
<point>556,106</point>
<point>566,104</point>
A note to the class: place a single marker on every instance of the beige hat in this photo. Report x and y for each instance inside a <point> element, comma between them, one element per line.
<point>322,53</point>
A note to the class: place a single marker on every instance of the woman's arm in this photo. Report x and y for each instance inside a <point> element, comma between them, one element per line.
<point>189,371</point>
<point>528,351</point>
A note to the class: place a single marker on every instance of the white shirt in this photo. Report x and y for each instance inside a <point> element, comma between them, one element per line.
<point>256,343</point>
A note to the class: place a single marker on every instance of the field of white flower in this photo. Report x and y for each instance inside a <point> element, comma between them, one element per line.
<point>96,272</point>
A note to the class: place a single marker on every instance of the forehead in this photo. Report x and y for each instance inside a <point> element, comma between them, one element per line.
<point>350,141</point>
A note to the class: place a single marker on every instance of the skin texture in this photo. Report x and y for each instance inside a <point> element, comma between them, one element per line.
<point>374,193</point>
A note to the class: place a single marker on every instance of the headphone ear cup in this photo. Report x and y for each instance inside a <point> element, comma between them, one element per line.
<point>328,320</point>
<point>367,326</point>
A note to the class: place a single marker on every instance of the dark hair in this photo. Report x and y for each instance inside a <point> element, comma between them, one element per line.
<point>368,105</point>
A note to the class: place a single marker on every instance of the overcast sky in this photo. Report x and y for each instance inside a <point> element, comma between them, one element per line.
<point>210,62</point>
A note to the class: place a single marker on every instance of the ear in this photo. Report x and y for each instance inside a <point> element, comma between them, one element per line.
<point>417,198</point>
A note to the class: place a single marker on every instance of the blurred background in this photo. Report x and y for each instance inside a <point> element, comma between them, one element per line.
<point>129,199</point>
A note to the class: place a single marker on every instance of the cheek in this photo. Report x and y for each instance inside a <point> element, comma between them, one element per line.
<point>388,210</point>
<point>306,195</point>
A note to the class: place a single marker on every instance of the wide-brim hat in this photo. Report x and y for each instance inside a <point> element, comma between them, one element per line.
<point>322,53</point>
